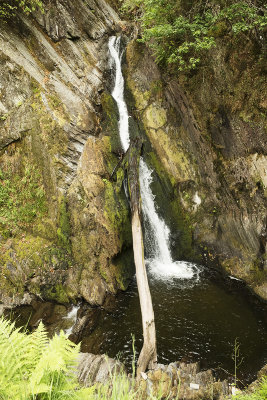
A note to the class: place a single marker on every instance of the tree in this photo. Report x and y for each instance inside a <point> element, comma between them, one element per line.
<point>148,355</point>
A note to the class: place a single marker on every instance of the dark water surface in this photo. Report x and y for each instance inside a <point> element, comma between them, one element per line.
<point>196,320</point>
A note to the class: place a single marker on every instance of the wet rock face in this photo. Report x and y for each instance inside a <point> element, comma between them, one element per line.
<point>207,144</point>
<point>56,150</point>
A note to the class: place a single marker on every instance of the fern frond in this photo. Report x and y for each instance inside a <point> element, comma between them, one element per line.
<point>37,344</point>
<point>34,367</point>
<point>59,356</point>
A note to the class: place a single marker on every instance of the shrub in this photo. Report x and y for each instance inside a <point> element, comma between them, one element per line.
<point>8,8</point>
<point>180,32</point>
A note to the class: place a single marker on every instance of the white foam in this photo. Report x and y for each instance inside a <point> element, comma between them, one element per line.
<point>72,316</point>
<point>160,231</point>
<point>174,270</point>
<point>234,278</point>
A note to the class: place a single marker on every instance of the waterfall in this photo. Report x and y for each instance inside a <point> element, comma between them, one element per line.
<point>118,93</point>
<point>159,260</point>
<point>72,316</point>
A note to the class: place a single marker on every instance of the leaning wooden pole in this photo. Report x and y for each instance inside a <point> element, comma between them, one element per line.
<point>148,355</point>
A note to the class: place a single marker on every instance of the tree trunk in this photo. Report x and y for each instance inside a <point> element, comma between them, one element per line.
<point>148,355</point>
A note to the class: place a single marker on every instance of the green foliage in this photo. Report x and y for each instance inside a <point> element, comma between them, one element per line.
<point>180,34</point>
<point>260,392</point>
<point>9,8</point>
<point>33,367</point>
<point>121,389</point>
<point>64,228</point>
<point>22,197</point>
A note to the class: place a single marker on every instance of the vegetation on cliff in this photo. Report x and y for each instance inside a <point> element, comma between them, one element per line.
<point>8,8</point>
<point>22,198</point>
<point>181,32</point>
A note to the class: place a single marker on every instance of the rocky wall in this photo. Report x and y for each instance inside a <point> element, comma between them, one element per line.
<point>206,134</point>
<point>64,223</point>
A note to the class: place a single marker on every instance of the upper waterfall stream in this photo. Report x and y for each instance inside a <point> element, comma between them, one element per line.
<point>159,260</point>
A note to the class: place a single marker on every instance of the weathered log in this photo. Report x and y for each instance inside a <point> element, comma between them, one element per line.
<point>123,157</point>
<point>148,355</point>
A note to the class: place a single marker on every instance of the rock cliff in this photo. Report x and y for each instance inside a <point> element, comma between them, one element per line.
<point>64,224</point>
<point>64,219</point>
<point>207,144</point>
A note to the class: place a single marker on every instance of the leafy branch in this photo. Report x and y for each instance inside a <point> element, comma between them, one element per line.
<point>8,8</point>
<point>181,34</point>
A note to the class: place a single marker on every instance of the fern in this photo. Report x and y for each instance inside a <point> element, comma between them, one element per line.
<point>33,367</point>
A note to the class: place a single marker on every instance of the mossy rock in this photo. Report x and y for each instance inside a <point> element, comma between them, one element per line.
<point>22,196</point>
<point>33,263</point>
<point>56,293</point>
<point>64,228</point>
<point>124,268</point>
<point>110,121</point>
<point>116,209</point>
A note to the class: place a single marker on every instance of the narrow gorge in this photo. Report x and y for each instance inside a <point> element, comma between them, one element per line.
<point>78,84</point>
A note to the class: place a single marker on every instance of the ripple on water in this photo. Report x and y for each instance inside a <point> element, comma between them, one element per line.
<point>197,318</point>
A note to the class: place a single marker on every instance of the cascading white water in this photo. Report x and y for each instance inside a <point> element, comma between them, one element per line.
<point>160,262</point>
<point>157,225</point>
<point>118,93</point>
<point>72,316</point>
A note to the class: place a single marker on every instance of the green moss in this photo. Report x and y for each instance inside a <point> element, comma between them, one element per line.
<point>22,195</point>
<point>54,101</point>
<point>155,117</point>
<point>56,293</point>
<point>110,121</point>
<point>166,180</point>
<point>30,257</point>
<point>219,29</point>
<point>64,228</point>
<point>35,86</point>
<point>35,253</point>
<point>45,229</point>
<point>50,125</point>
<point>116,209</point>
